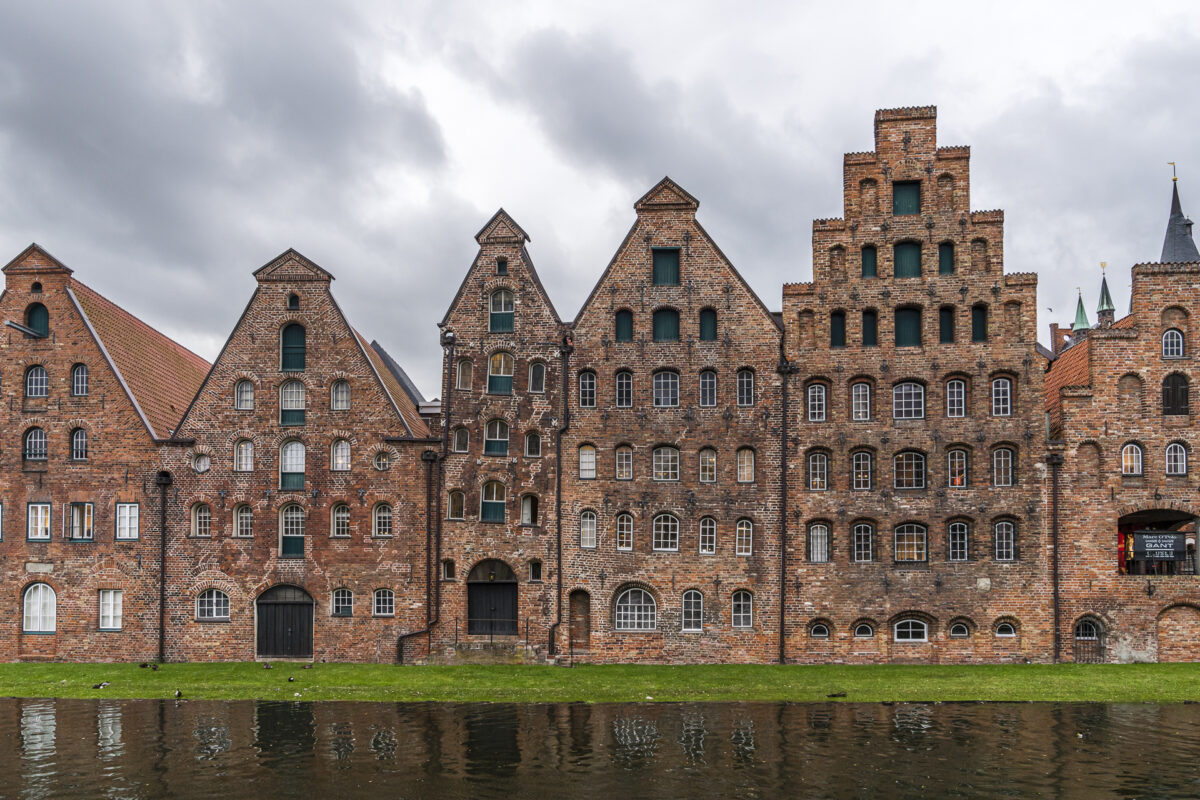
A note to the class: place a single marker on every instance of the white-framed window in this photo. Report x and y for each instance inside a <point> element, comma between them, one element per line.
<point>533,444</point>
<point>462,380</point>
<point>461,441</point>
<point>956,469</point>
<point>291,403</point>
<point>860,467</point>
<point>587,389</point>
<point>708,389</point>
<point>381,523</point>
<point>41,609</point>
<point>908,401</point>
<point>291,531</point>
<point>708,536</point>
<point>1002,466</point>
<point>818,630</point>
<point>1006,541</point>
<point>911,542</point>
<point>666,389</point>
<point>38,519</point>
<point>909,467</point>
<point>666,464</point>
<point>635,610</point>
<point>1006,630</point>
<point>624,463</point>
<point>201,520</point>
<point>745,465</point>
<point>243,456</point>
<point>624,389</point>
<point>79,445</point>
<point>212,604</point>
<point>111,603</point>
<point>500,373</point>
<point>864,542</point>
<point>500,319</point>
<point>79,521</point>
<point>693,611</point>
<point>959,541</point>
<point>1002,397</point>
<point>818,542</point>
<point>864,630</point>
<point>1087,630</point>
<point>587,529</point>
<point>291,466</point>
<point>35,445</point>
<point>79,380</point>
<point>339,399</point>
<point>708,465</point>
<point>744,543</point>
<point>385,603</point>
<point>956,398</point>
<point>745,387</point>
<point>382,460</point>
<point>243,522</point>
<point>587,462</point>
<point>666,533</point>
<point>128,521</point>
<point>860,402</point>
<point>495,438</point>
<point>201,463</point>
<point>911,630</point>
<point>529,509</point>
<point>1131,460</point>
<point>1176,459</point>
<point>1172,344</point>
<point>243,395</point>
<point>339,521</point>
<point>818,472</point>
<point>456,506</point>
<point>492,502</point>
<point>37,384</point>
<point>959,630</point>
<point>537,377</point>
<point>742,604</point>
<point>343,603</point>
<point>625,532</point>
<point>816,402</point>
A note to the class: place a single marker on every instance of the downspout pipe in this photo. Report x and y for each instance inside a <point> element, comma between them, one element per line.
<point>565,353</point>
<point>1055,460</point>
<point>785,369</point>
<point>430,457</point>
<point>163,481</point>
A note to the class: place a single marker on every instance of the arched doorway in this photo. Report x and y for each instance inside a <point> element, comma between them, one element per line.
<point>581,620</point>
<point>492,599</point>
<point>285,623</point>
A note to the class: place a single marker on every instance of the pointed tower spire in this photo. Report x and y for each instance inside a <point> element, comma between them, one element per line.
<point>1106,311</point>
<point>1081,326</point>
<point>1178,245</point>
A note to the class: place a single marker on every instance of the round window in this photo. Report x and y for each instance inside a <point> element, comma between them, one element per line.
<point>382,461</point>
<point>863,631</point>
<point>959,630</point>
<point>819,631</point>
<point>201,462</point>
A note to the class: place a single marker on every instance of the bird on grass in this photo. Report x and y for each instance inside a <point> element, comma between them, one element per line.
<point>178,694</point>
<point>291,679</point>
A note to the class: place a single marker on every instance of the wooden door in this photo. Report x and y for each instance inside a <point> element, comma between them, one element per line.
<point>581,620</point>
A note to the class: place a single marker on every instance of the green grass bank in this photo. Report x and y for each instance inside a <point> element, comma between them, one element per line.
<point>1135,683</point>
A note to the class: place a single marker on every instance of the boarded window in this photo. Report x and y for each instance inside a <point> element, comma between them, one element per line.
<point>869,262</point>
<point>666,267</point>
<point>837,329</point>
<point>708,325</point>
<point>908,327</point>
<point>908,260</point>
<point>870,328</point>
<point>906,197</point>
<point>946,258</point>
<point>666,325</point>
<point>946,325</point>
<point>624,332</point>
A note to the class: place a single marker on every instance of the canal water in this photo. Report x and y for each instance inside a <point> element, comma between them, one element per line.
<point>200,749</point>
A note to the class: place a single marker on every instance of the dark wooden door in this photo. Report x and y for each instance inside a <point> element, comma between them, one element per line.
<point>285,630</point>
<point>581,620</point>
<point>492,608</point>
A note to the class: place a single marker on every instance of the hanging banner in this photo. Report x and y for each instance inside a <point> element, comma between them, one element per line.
<point>1159,546</point>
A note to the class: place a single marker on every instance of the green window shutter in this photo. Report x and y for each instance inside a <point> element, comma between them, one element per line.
<point>291,416</point>
<point>293,348</point>
<point>292,481</point>
<point>946,325</point>
<point>491,511</point>
<point>500,384</point>
<point>495,447</point>
<point>292,546</point>
<point>666,267</point>
<point>908,260</point>
<point>624,326</point>
<point>666,325</point>
<point>979,323</point>
<point>869,268</point>
<point>870,329</point>
<point>906,198</point>
<point>837,329</point>
<point>38,319</point>
<point>945,258</point>
<point>501,322</point>
<point>708,325</point>
<point>908,327</point>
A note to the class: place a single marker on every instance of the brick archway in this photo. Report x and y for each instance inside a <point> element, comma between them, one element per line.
<point>1178,630</point>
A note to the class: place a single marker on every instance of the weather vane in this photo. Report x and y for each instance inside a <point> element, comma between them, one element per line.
<point>1103,266</point>
<point>1174,177</point>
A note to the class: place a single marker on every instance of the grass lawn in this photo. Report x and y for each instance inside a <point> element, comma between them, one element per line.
<point>1157,683</point>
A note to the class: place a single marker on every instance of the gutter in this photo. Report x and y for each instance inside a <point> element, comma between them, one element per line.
<point>1055,460</point>
<point>785,369</point>
<point>431,612</point>
<point>565,351</point>
<point>163,481</point>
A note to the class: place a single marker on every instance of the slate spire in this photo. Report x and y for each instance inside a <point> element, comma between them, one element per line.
<point>1106,311</point>
<point>1081,318</point>
<point>1178,245</point>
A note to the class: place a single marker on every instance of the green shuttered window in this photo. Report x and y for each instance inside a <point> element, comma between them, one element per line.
<point>979,323</point>
<point>292,339</point>
<point>906,197</point>
<point>624,326</point>
<point>708,325</point>
<point>946,325</point>
<point>908,327</point>
<point>666,325</point>
<point>945,258</point>
<point>837,329</point>
<point>869,262</point>
<point>666,267</point>
<point>908,260</point>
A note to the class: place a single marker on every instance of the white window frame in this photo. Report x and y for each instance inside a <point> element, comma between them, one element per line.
<point>745,465</point>
<point>818,472</point>
<point>910,539</point>
<point>1003,466</point>
<point>243,455</point>
<point>635,611</point>
<point>382,520</point>
<point>339,396</point>
<point>587,530</point>
<point>624,536</point>
<point>464,371</point>
<point>708,536</point>
<point>741,606</point>
<point>37,381</point>
<point>537,377</point>
<point>529,509</point>
<point>111,608</point>
<point>861,466</point>
<point>708,465</point>
<point>243,395</point>
<point>623,463</point>
<point>864,543</point>
<point>43,616</point>
<point>908,400</point>
<point>665,536</point>
<point>79,380</point>
<point>818,543</point>
<point>530,437</point>
<point>914,630</point>
<point>745,388</point>
<point>708,389</point>
<point>243,521</point>
<point>80,518</point>
<point>957,465</point>
<point>587,389</point>
<point>1175,349</point>
<point>455,445</point>
<point>587,462</point>
<point>383,603</point>
<point>919,475</point>
<point>1002,397</point>
<point>209,604</point>
<point>128,522</point>
<point>666,388</point>
<point>1005,535</point>
<point>1176,459</point>
<point>816,402</point>
<point>623,388</point>
<point>1131,460</point>
<point>958,541</point>
<point>342,598</point>
<point>692,617</point>
<point>956,398</point>
<point>665,461</point>
<point>339,521</point>
<point>79,445</point>
<point>38,518</point>
<point>860,401</point>
<point>744,541</point>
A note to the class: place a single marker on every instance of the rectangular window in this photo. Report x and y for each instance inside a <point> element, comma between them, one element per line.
<point>708,389</point>
<point>693,612</point>
<point>1006,544</point>
<point>39,522</point>
<point>745,465</point>
<point>587,462</point>
<point>708,466</point>
<point>979,324</point>
<point>910,543</point>
<point>869,267</point>
<point>587,389</point>
<point>958,541</point>
<point>818,543</point>
<point>128,521</point>
<point>624,390</point>
<point>956,469</point>
<point>837,329</point>
<point>870,328</point>
<point>946,325</point>
<point>860,402</point>
<point>818,471</point>
<point>816,403</point>
<point>908,327</point>
<point>80,521</point>
<point>1002,467</point>
<point>665,325</point>
<point>666,464</point>
<point>863,543</point>
<point>862,471</point>
<point>745,387</point>
<point>587,530</point>
<point>666,389</point>
<point>908,401</point>
<point>1001,397</point>
<point>906,198</point>
<point>708,536</point>
<point>908,260</point>
<point>625,532</point>
<point>945,258</point>
<point>666,267</point>
<point>708,325</point>
<point>956,398</point>
<point>744,544</point>
<point>111,602</point>
<point>501,266</point>
<point>624,326</point>
<point>624,464</point>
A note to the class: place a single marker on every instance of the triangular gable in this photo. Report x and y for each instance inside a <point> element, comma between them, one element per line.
<point>34,258</point>
<point>666,195</point>
<point>290,266</point>
<point>501,228</point>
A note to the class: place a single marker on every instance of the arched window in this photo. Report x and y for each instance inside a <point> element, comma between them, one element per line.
<point>666,464</point>
<point>864,542</point>
<point>1175,394</point>
<point>624,463</point>
<point>911,630</point>
<point>624,389</point>
<point>910,542</point>
<point>587,389</point>
<point>491,507</point>
<point>1006,630</point>
<point>381,524</point>
<point>666,325</point>
<point>979,323</point>
<point>861,468</point>
<point>909,467</point>
<point>343,603</point>
<point>708,536</point>
<point>587,462</point>
<point>79,380</point>
<point>36,382</point>
<point>385,603</point>
<point>339,521</point>
<point>457,505</point>
<point>708,325</point>
<point>957,544</point>
<point>340,396</point>
<point>625,532</point>
<point>624,326</point>
<point>201,520</point>
<point>537,377</point>
<point>666,532</point>
<point>744,543</point>
<point>37,319</point>
<point>201,463</point>
<point>291,532</point>
<point>495,438</point>
<point>908,400</point>
<point>1176,459</point>
<point>291,466</point>
<point>243,456</point>
<point>907,260</point>
<point>533,444</point>
<point>635,610</point>
<point>340,456</point>
<point>908,327</point>
<point>79,445</point>
<point>666,389</point>
<point>243,522</point>
<point>212,604</point>
<point>35,444</point>
<point>946,258</point>
<point>693,611</point>
<point>40,609</point>
<point>535,571</point>
<point>1003,463</point>
<point>956,469</point>
<point>1002,397</point>
<point>818,542</point>
<point>708,389</point>
<point>708,465</point>
<point>860,401</point>
<point>959,630</point>
<point>291,403</point>
<point>243,395</point>
<point>816,402</point>
<point>745,387</point>
<point>818,630</point>
<point>956,398</point>
<point>462,440</point>
<point>500,373</point>
<point>818,472</point>
<point>1131,460</point>
<point>501,317</point>
<point>1006,540</point>
<point>864,630</point>
<point>293,302</point>
<point>742,604</point>
<point>1087,630</point>
<point>587,529</point>
<point>463,379</point>
<point>382,460</point>
<point>292,348</point>
<point>1172,344</point>
<point>745,465</point>
<point>529,510</point>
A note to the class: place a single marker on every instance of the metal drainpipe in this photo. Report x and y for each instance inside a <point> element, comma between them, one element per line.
<point>785,370</point>
<point>565,351</point>
<point>430,457</point>
<point>1055,460</point>
<point>163,481</point>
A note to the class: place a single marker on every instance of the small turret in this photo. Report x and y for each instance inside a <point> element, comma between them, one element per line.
<point>1106,311</point>
<point>1079,330</point>
<point>1178,245</point>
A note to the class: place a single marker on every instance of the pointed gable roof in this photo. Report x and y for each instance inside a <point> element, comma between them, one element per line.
<point>407,408</point>
<point>666,195</point>
<point>35,258</point>
<point>501,228</point>
<point>291,266</point>
<point>1178,245</point>
<point>1081,318</point>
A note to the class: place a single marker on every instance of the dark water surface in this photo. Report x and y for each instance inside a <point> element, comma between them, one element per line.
<point>144,748</point>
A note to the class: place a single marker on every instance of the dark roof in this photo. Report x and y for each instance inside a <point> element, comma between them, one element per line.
<point>406,383</point>
<point>1106,303</point>
<point>1178,245</point>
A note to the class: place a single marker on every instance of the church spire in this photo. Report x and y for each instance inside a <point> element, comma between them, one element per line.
<point>1178,245</point>
<point>1106,311</point>
<point>1081,321</point>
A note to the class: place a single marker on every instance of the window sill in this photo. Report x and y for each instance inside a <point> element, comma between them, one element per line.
<point>382,536</point>
<point>383,616</point>
<point>291,557</point>
<point>38,633</point>
<point>80,541</point>
<point>342,616</point>
<point>109,630</point>
<point>128,540</point>
<point>213,620</point>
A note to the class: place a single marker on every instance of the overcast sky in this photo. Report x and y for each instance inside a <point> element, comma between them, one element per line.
<point>166,150</point>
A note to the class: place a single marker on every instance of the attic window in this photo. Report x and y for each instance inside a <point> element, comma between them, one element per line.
<point>37,319</point>
<point>293,302</point>
<point>501,266</point>
<point>36,288</point>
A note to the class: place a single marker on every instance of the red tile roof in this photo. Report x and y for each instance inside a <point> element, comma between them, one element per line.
<point>404,403</point>
<point>1071,368</point>
<point>162,375</point>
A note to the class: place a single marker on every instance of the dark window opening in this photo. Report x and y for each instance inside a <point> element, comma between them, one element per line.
<point>870,328</point>
<point>1175,394</point>
<point>501,266</point>
<point>37,319</point>
<point>908,260</point>
<point>945,258</point>
<point>293,348</point>
<point>666,267</point>
<point>908,327</point>
<point>946,325</point>
<point>906,198</point>
<point>624,326</point>
<point>708,325</point>
<point>666,325</point>
<point>293,302</point>
<point>979,323</point>
<point>869,261</point>
<point>837,329</point>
